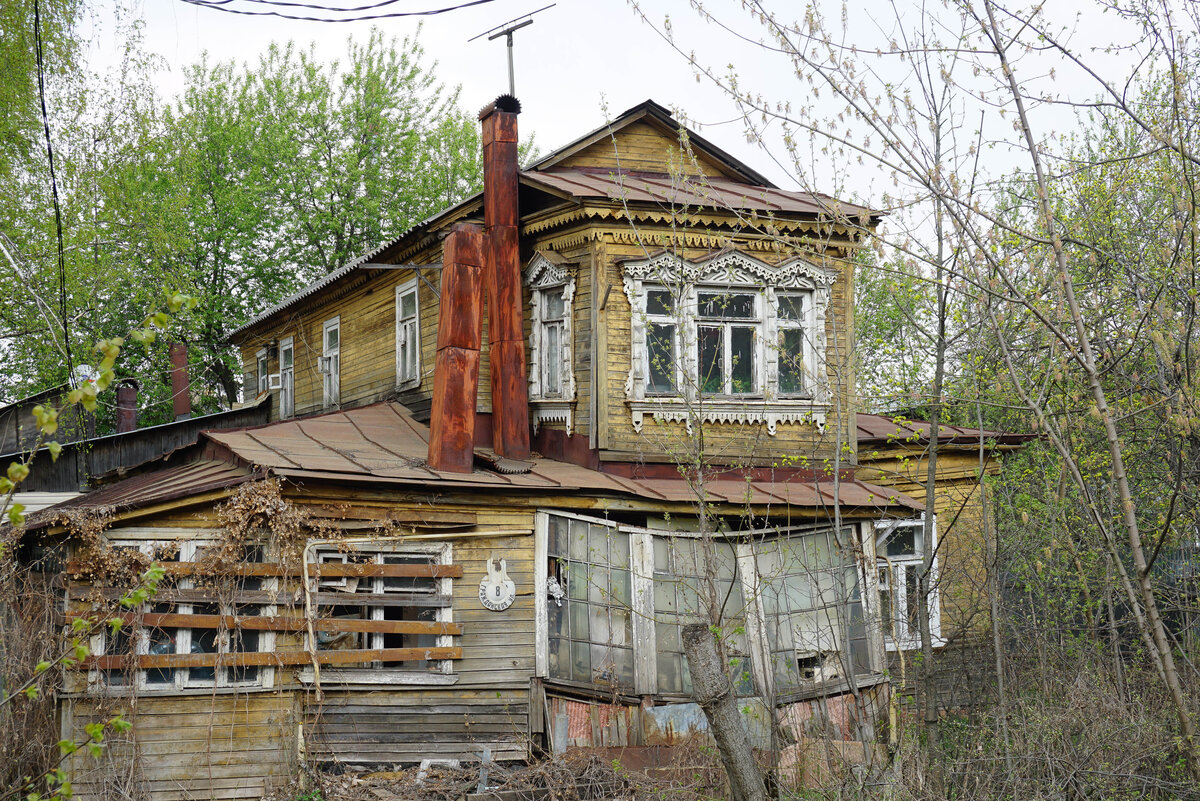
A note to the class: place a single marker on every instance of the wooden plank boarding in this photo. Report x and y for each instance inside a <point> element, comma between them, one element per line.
<point>274,623</point>
<point>316,570</point>
<point>268,658</point>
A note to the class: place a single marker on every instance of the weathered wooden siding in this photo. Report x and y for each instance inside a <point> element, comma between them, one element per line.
<point>642,147</point>
<point>961,520</point>
<point>211,745</point>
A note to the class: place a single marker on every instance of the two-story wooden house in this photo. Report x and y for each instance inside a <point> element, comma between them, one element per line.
<point>511,454</point>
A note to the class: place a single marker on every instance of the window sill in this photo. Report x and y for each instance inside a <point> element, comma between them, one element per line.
<point>910,643</point>
<point>728,410</point>
<point>374,676</point>
<point>552,410</point>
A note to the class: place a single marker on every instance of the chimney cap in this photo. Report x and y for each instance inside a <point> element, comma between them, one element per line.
<point>506,103</point>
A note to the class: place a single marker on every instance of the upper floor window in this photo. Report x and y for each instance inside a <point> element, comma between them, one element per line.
<point>744,337</point>
<point>900,549</point>
<point>287,377</point>
<point>331,361</point>
<point>263,375</point>
<point>408,335</point>
<point>552,373</point>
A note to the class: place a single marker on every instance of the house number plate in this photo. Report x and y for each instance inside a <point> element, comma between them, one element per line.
<point>496,591</point>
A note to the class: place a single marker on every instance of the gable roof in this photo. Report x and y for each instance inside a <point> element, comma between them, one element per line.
<point>741,188</point>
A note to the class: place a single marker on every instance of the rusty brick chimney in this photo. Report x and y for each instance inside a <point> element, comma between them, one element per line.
<point>127,393</point>
<point>506,334</point>
<point>181,395</point>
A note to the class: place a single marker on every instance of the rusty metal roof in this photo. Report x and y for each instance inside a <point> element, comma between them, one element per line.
<point>145,489</point>
<point>382,444</point>
<point>601,183</point>
<point>881,429</point>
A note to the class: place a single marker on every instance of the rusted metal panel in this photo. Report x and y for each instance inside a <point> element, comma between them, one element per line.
<point>452,425</point>
<point>881,429</point>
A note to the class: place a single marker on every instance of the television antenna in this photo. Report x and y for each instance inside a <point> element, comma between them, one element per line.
<point>507,29</point>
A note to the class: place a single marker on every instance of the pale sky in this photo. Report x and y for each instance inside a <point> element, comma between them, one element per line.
<point>582,59</point>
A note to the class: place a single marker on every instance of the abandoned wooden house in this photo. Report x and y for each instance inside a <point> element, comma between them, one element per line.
<point>510,454</point>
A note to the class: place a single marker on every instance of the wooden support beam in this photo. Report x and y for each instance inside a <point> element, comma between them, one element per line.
<point>161,620</point>
<point>268,659</point>
<point>323,570</point>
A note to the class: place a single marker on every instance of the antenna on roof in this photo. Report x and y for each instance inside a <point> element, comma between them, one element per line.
<point>507,29</point>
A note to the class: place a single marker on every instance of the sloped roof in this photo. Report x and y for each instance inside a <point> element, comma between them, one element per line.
<point>880,429</point>
<point>382,444</point>
<point>743,188</point>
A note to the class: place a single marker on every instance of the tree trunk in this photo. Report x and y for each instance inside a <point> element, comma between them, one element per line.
<point>714,693</point>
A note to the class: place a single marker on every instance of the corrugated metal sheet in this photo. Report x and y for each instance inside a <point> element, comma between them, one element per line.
<point>877,428</point>
<point>148,488</point>
<point>634,187</point>
<point>383,444</point>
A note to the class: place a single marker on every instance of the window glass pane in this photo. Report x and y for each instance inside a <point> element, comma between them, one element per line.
<point>912,599</point>
<point>408,304</point>
<point>660,301</point>
<point>791,307</point>
<point>726,306</point>
<point>555,307</point>
<point>660,345</point>
<point>712,359</point>
<point>331,338</point>
<point>581,661</point>
<point>553,361</point>
<point>285,357</point>
<point>791,360</point>
<point>904,541</point>
<point>741,350</point>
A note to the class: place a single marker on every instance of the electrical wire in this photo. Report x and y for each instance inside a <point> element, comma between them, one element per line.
<point>62,263</point>
<point>225,5</point>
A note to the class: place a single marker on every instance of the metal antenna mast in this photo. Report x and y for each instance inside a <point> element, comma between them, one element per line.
<point>506,29</point>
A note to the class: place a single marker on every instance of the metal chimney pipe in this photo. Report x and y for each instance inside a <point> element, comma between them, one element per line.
<point>181,395</point>
<point>506,333</point>
<point>460,336</point>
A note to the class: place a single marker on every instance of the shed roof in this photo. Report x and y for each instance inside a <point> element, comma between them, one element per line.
<point>382,444</point>
<point>884,430</point>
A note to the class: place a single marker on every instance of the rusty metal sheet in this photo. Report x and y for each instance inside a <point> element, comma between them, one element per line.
<point>881,429</point>
<point>146,489</point>
<point>634,187</point>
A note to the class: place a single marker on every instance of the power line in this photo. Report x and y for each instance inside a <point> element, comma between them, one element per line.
<point>62,263</point>
<point>226,6</point>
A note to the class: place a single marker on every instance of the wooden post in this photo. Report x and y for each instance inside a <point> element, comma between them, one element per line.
<point>460,335</point>
<point>714,693</point>
<point>506,332</point>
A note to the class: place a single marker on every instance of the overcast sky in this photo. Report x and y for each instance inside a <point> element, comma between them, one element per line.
<point>583,59</point>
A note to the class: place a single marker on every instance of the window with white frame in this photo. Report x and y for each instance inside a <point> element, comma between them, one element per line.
<point>745,337</point>
<point>408,335</point>
<point>552,375</point>
<point>330,365</point>
<point>900,551</point>
<point>400,623</point>
<point>263,374</point>
<point>616,598</point>
<point>287,377</point>
<point>161,630</point>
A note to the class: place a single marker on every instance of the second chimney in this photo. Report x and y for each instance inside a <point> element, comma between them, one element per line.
<point>127,393</point>
<point>181,394</point>
<point>506,333</point>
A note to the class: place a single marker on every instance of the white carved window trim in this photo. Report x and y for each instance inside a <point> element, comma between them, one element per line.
<point>331,362</point>
<point>895,574</point>
<point>548,272</point>
<point>730,270</point>
<point>408,336</point>
<point>287,377</point>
